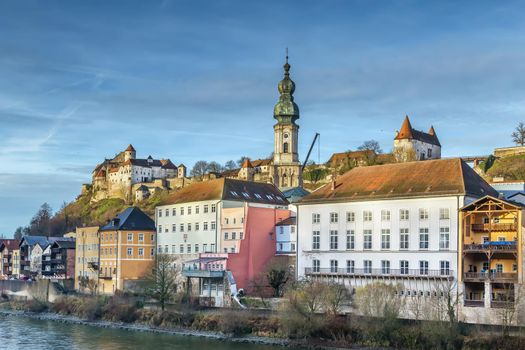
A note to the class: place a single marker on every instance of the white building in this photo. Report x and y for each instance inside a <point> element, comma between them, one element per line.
<point>286,236</point>
<point>411,144</point>
<point>395,222</point>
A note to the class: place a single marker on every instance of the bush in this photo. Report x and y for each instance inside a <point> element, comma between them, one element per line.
<point>235,323</point>
<point>206,322</point>
<point>90,309</point>
<point>119,312</point>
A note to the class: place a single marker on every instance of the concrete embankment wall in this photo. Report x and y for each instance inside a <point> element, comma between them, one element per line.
<point>42,289</point>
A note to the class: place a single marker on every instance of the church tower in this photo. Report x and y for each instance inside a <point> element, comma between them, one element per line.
<point>286,164</point>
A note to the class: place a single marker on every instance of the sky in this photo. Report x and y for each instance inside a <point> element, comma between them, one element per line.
<point>192,80</point>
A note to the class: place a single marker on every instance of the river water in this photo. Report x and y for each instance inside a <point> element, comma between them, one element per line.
<point>30,334</point>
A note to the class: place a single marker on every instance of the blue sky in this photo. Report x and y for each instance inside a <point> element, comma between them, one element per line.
<point>190,80</point>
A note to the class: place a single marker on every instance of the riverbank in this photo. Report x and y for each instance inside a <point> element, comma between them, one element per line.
<point>48,316</point>
<point>283,329</point>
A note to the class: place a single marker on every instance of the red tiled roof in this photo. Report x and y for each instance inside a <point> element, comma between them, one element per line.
<point>408,133</point>
<point>439,177</point>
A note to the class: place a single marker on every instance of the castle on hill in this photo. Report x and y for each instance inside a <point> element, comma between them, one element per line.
<point>131,178</point>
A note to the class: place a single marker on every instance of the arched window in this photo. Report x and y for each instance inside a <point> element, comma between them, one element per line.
<point>285,147</point>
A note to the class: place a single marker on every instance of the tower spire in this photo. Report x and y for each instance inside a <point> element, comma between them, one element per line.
<point>286,111</point>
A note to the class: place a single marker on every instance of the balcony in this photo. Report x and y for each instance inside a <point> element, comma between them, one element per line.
<point>494,247</point>
<point>492,276</point>
<point>93,265</point>
<point>105,277</point>
<point>474,303</point>
<point>493,227</point>
<point>380,273</point>
<point>187,272</point>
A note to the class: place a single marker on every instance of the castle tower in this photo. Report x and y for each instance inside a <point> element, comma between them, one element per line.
<point>246,172</point>
<point>129,153</point>
<point>286,165</point>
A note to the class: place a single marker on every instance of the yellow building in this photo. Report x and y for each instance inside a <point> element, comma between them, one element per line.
<point>127,251</point>
<point>490,252</point>
<point>87,256</point>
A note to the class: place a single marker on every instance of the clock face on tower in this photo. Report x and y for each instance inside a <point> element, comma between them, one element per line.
<point>285,135</point>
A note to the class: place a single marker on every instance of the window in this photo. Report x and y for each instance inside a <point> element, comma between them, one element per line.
<point>234,235</point>
<point>403,214</point>
<point>188,248</point>
<point>141,237</point>
<point>444,268</point>
<point>241,235</point>
<point>444,240</point>
<point>499,268</point>
<point>316,240</point>
<point>173,212</point>
<point>160,228</point>
<point>423,238</point>
<point>423,267</point>
<point>160,213</point>
<point>174,228</point>
<point>196,209</point>
<point>444,214</point>
<point>196,248</point>
<point>181,249</point>
<point>385,215</point>
<point>173,249</point>
<point>232,250</point>
<point>130,237</point>
<point>196,226</point>
<point>167,212</point>
<point>429,153</point>
<point>181,227</point>
<point>316,218</point>
<point>403,238</point>
<point>292,247</point>
<point>350,240</point>
<point>130,251</point>
<point>226,221</point>
<point>367,215</point>
<point>350,266</point>
<point>213,208</point>
<point>385,267</point>
<point>213,225</point>
<point>205,208</point>
<point>333,240</point>
<point>226,235</point>
<point>423,214</point>
<point>181,210</point>
<point>166,249</point>
<point>189,210</point>
<point>285,147</point>
<point>205,226</point>
<point>350,216</point>
<point>333,266</point>
<point>367,264</point>
<point>316,265</point>
<point>334,218</point>
<point>189,227</point>
<point>212,249</point>
<point>403,267</point>
<point>367,243</point>
<point>385,239</point>
<point>141,251</point>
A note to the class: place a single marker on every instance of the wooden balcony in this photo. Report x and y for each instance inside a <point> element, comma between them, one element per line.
<point>501,277</point>
<point>493,227</point>
<point>494,247</point>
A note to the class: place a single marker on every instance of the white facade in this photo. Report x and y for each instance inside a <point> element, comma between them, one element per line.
<point>286,239</point>
<point>188,228</point>
<point>416,148</point>
<point>360,242</point>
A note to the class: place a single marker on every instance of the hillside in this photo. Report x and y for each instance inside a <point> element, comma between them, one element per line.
<point>509,168</point>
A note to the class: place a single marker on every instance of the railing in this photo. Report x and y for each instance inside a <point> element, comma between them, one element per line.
<point>188,272</point>
<point>493,227</point>
<point>474,303</point>
<point>380,272</point>
<point>501,304</point>
<point>493,276</point>
<point>510,247</point>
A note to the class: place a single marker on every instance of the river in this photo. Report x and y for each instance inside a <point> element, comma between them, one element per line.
<point>31,334</point>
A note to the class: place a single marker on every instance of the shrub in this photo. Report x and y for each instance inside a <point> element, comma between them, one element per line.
<point>206,322</point>
<point>235,323</point>
<point>119,312</point>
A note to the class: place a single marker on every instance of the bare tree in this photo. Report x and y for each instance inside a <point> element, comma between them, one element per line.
<point>88,283</point>
<point>518,136</point>
<point>214,167</point>
<point>336,295</point>
<point>242,160</point>
<point>509,305</point>
<point>199,169</point>
<point>162,281</point>
<point>371,145</point>
<point>278,274</point>
<point>230,165</point>
<point>379,300</point>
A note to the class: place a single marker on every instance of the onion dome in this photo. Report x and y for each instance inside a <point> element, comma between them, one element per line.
<point>286,110</point>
